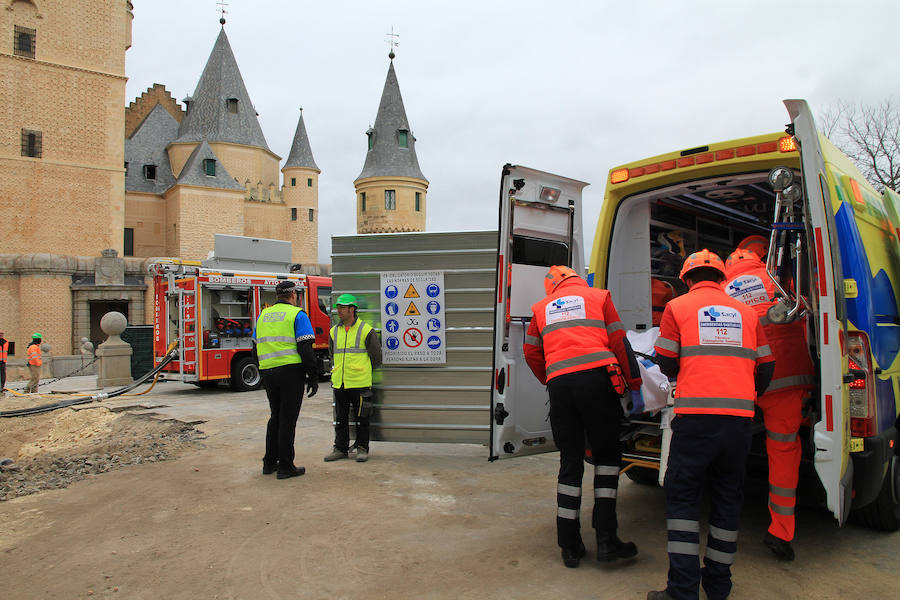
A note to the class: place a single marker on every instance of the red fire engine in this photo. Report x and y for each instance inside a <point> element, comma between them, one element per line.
<point>212,313</point>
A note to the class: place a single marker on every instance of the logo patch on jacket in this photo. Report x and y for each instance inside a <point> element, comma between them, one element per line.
<point>271,317</point>
<point>749,289</point>
<point>719,326</point>
<point>566,308</point>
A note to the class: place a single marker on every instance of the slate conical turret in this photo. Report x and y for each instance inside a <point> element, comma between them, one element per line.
<point>391,188</point>
<point>301,196</point>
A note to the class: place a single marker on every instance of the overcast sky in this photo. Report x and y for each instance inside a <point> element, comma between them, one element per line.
<point>574,88</point>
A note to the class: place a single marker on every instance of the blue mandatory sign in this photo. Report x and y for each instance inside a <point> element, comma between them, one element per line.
<point>433,307</point>
<point>392,325</point>
<point>433,290</point>
<point>391,308</point>
<point>433,324</point>
<point>392,342</point>
<point>434,342</point>
<point>391,291</point>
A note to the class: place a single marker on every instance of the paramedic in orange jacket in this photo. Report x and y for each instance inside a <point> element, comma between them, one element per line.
<point>718,350</point>
<point>576,345</point>
<point>747,280</point>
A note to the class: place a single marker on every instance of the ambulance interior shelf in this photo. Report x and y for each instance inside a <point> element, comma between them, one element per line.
<point>228,323</point>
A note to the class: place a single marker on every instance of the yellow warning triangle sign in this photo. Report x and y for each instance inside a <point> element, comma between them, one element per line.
<point>411,292</point>
<point>411,310</point>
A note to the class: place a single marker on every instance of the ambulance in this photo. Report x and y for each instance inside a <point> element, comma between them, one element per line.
<point>832,242</point>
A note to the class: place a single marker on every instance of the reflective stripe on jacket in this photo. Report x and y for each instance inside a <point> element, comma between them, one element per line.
<point>793,366</point>
<point>276,342</point>
<point>352,367</point>
<point>574,329</point>
<point>718,342</point>
<point>33,352</point>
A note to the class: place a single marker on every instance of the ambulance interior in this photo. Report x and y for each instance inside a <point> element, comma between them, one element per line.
<point>654,231</point>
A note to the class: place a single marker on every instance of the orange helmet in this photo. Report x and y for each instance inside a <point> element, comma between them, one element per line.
<point>739,255</point>
<point>756,244</point>
<point>556,275</point>
<point>702,258</point>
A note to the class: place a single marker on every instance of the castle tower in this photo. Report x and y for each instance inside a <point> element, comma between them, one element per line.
<point>390,190</point>
<point>301,196</point>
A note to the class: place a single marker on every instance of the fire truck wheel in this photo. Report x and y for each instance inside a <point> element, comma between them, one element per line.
<point>245,375</point>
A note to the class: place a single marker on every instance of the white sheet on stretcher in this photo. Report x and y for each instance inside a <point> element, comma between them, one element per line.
<point>655,386</point>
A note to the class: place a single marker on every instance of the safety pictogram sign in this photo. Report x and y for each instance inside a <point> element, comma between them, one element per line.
<point>403,340</point>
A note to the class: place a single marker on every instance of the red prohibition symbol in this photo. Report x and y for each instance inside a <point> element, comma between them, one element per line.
<point>412,337</point>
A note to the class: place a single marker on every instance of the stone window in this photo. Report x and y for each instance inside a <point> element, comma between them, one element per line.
<point>362,198</point>
<point>129,242</point>
<point>293,181</point>
<point>309,182</point>
<point>32,143</point>
<point>312,215</point>
<point>209,167</point>
<point>403,138</point>
<point>149,171</point>
<point>293,214</point>
<point>390,200</point>
<point>232,105</point>
<point>24,41</point>
<point>418,201</point>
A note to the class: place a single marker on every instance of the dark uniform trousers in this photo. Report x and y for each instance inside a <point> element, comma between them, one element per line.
<point>583,404</point>
<point>705,450</point>
<point>345,402</point>
<point>284,389</point>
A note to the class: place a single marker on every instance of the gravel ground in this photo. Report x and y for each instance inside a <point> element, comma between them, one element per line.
<point>53,450</point>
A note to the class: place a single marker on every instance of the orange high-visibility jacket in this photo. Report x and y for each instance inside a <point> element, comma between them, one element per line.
<point>718,342</point>
<point>576,328</point>
<point>4,350</point>
<point>793,365</point>
<point>34,355</point>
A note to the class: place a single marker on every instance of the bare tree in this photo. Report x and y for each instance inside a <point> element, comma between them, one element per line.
<point>870,135</point>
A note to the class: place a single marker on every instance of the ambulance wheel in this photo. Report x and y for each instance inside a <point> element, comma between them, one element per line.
<point>883,513</point>
<point>245,375</point>
<point>643,475</point>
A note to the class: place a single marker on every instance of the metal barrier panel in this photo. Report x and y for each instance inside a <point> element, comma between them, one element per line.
<point>141,339</point>
<point>430,403</point>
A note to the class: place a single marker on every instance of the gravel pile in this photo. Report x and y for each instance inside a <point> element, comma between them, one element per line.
<point>121,441</point>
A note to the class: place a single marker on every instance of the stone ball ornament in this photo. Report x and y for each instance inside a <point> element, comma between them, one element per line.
<point>113,323</point>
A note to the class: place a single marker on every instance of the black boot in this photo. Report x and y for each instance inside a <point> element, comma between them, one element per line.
<point>610,547</point>
<point>269,467</point>
<point>290,471</point>
<point>573,557</point>
<point>779,547</point>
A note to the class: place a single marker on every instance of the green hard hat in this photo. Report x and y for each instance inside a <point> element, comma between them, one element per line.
<point>37,336</point>
<point>347,300</point>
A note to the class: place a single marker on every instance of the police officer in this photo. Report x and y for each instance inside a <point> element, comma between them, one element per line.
<point>576,345</point>
<point>717,348</point>
<point>284,338</point>
<point>356,352</point>
<point>747,280</point>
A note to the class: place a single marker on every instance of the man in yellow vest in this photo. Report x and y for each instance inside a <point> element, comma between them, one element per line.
<point>284,339</point>
<point>356,351</point>
<point>33,354</point>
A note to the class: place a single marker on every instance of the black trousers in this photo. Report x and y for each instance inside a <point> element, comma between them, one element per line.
<point>2,375</point>
<point>584,405</point>
<point>705,449</point>
<point>284,388</point>
<point>345,401</point>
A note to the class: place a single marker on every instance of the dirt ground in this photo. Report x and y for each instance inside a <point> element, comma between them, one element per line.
<point>416,521</point>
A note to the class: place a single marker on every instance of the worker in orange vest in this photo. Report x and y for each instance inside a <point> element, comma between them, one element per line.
<point>716,347</point>
<point>660,294</point>
<point>747,280</point>
<point>576,345</point>
<point>4,352</point>
<point>33,354</point>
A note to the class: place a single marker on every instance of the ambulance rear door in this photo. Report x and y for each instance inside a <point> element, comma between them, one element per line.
<point>539,226</point>
<point>831,434</point>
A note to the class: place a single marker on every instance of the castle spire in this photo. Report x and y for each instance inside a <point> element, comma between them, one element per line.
<point>301,154</point>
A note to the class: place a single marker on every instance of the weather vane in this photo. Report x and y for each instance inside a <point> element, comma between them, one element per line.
<point>392,42</point>
<point>222,4</point>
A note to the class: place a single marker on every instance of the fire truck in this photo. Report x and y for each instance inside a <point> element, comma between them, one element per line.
<point>211,310</point>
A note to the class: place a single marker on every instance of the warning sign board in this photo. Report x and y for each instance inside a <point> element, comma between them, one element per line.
<point>403,337</point>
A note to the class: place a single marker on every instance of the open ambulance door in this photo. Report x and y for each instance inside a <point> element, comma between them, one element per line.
<point>831,434</point>
<point>540,226</point>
